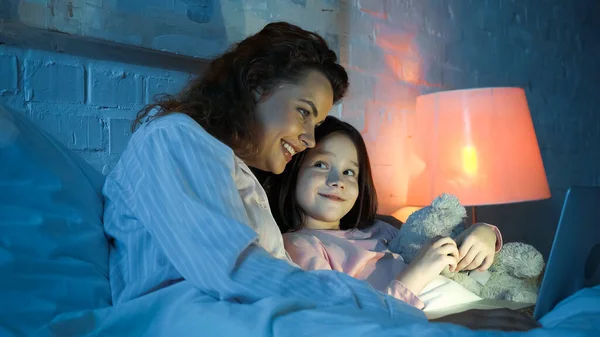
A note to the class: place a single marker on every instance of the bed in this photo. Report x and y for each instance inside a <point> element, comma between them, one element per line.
<point>54,269</point>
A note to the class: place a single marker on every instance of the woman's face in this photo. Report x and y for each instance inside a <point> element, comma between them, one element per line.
<point>287,118</point>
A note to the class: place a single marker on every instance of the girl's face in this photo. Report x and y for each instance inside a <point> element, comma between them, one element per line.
<point>327,186</point>
<point>287,118</point>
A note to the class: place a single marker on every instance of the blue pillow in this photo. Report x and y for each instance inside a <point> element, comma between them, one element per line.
<point>53,252</point>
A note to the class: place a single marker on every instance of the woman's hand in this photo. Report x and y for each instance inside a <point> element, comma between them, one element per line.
<point>494,319</point>
<point>430,262</point>
<point>477,247</point>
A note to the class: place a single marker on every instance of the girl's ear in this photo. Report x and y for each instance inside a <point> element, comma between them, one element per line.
<point>258,94</point>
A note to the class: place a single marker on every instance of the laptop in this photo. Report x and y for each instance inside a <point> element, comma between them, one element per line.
<point>573,264</point>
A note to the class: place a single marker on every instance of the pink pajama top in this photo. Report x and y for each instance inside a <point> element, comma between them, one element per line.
<point>362,254</point>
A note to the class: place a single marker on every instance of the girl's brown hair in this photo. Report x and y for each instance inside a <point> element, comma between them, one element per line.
<point>281,189</point>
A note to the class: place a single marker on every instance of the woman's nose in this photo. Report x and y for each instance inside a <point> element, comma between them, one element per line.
<point>308,138</point>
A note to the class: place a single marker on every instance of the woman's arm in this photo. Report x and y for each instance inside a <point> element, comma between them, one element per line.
<point>187,198</point>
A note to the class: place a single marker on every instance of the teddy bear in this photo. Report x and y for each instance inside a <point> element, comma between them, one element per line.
<point>514,275</point>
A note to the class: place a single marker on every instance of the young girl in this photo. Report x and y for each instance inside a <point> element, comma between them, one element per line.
<point>325,203</point>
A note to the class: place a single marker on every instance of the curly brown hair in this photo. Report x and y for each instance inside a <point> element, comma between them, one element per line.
<point>222,100</point>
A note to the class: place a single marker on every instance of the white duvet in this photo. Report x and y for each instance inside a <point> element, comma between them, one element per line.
<point>180,310</point>
<point>443,292</point>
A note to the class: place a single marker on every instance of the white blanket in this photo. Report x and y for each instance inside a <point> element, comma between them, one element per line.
<point>443,292</point>
<point>181,310</point>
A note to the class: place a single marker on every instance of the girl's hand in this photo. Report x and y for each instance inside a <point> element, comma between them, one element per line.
<point>477,246</point>
<point>429,263</point>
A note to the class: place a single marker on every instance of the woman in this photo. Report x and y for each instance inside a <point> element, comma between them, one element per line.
<point>182,202</point>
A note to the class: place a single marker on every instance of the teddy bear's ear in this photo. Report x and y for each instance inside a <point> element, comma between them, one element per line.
<point>412,217</point>
<point>450,206</point>
<point>446,201</point>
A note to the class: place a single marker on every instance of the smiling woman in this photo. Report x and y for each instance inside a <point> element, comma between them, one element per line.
<point>274,87</point>
<point>182,202</point>
<point>286,120</point>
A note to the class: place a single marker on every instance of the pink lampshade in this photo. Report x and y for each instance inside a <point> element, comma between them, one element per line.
<point>479,145</point>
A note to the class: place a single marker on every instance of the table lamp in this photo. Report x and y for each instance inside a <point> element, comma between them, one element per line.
<point>478,144</point>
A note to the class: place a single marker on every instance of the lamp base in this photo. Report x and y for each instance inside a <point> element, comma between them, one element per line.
<point>473,215</point>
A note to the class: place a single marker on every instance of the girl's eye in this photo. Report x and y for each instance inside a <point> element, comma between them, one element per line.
<point>304,113</point>
<point>321,165</point>
<point>350,173</point>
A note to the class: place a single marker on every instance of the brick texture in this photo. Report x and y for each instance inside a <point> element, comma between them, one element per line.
<point>77,132</point>
<point>10,75</point>
<point>120,131</point>
<point>114,88</point>
<point>546,47</point>
<point>155,86</point>
<point>394,51</point>
<point>87,105</point>
<point>51,81</point>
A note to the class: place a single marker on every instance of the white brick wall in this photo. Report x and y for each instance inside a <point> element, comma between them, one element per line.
<point>114,88</point>
<point>394,51</point>
<point>52,81</point>
<point>88,105</point>
<point>547,47</point>
<point>8,80</point>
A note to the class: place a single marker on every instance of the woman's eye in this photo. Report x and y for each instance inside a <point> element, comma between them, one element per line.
<point>304,113</point>
<point>321,165</point>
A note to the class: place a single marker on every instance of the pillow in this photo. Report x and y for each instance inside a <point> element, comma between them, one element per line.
<point>53,252</point>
